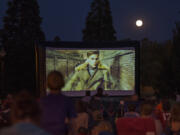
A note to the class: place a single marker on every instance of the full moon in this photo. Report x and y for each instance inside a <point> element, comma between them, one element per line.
<point>139,23</point>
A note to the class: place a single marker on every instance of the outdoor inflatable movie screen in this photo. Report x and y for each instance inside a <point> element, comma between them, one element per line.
<point>89,66</point>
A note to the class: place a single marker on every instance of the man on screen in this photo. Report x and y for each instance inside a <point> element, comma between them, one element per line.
<point>90,75</point>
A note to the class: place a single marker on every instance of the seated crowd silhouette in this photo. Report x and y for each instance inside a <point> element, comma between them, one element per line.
<point>56,114</point>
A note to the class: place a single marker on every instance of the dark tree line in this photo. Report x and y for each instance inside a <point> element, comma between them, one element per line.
<point>154,64</point>
<point>175,59</point>
<point>160,62</point>
<point>20,32</point>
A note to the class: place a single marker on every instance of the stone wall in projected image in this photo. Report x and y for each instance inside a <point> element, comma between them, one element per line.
<point>122,65</point>
<point>49,64</point>
<point>63,61</point>
<point>127,72</point>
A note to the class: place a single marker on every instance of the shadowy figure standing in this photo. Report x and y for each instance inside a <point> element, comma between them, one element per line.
<point>57,109</point>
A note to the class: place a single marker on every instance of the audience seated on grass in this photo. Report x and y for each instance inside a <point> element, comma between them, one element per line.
<point>139,125</point>
<point>81,121</point>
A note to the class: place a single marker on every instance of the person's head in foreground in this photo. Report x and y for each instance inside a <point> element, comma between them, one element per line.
<point>100,91</point>
<point>93,58</point>
<point>131,107</point>
<point>25,109</point>
<point>88,93</point>
<point>146,109</point>
<point>25,116</point>
<point>55,81</point>
<point>134,97</point>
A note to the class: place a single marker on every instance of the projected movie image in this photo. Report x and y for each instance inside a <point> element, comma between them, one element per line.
<point>112,69</point>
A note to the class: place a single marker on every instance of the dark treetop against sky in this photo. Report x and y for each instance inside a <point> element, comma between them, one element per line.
<point>66,18</point>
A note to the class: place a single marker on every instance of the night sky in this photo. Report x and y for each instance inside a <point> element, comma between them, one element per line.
<point>66,18</point>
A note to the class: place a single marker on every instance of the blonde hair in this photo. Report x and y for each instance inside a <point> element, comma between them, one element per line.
<point>104,126</point>
<point>92,52</point>
<point>146,109</point>
<point>55,80</point>
<point>175,112</point>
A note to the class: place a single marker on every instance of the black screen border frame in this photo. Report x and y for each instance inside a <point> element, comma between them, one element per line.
<point>40,49</point>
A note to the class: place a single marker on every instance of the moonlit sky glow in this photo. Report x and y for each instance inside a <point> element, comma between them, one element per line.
<point>66,18</point>
<point>139,23</point>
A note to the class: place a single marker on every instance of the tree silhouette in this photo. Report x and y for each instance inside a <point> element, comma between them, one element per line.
<point>175,61</point>
<point>20,33</point>
<point>155,65</point>
<point>99,24</point>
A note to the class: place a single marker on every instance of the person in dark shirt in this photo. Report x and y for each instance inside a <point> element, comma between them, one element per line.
<point>131,113</point>
<point>57,108</point>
